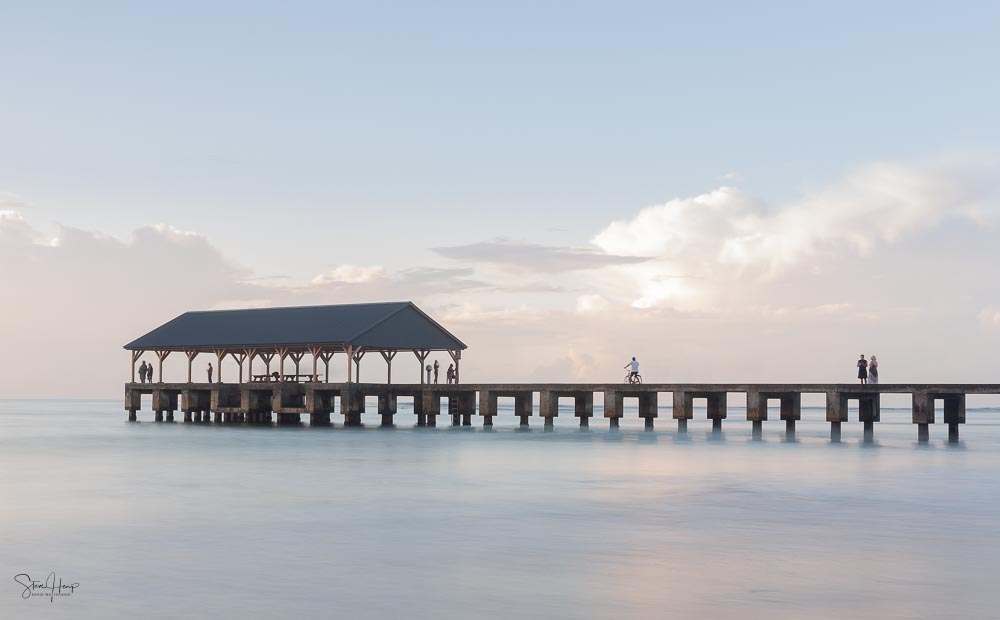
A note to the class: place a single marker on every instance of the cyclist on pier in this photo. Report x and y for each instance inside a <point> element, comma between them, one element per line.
<point>634,372</point>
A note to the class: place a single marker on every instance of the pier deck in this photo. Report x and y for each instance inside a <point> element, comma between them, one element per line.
<point>257,402</point>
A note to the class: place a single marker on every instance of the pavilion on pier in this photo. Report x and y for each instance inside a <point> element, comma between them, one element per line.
<point>321,332</point>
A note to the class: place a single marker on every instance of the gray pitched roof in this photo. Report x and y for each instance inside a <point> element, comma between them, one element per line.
<point>395,325</point>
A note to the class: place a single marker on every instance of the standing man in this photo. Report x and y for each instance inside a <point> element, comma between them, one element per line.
<point>436,365</point>
<point>209,372</point>
<point>142,372</point>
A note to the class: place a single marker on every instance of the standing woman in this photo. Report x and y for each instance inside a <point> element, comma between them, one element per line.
<point>863,370</point>
<point>873,370</point>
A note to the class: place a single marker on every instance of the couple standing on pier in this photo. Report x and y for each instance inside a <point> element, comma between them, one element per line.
<point>145,372</point>
<point>868,371</point>
<point>450,374</point>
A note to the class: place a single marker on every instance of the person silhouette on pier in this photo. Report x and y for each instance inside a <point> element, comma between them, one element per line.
<point>142,372</point>
<point>450,374</point>
<point>436,365</point>
<point>149,373</point>
<point>863,370</point>
<point>633,367</point>
<point>873,370</point>
<point>209,371</point>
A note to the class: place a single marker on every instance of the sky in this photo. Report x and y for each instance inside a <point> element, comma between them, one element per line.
<point>727,191</point>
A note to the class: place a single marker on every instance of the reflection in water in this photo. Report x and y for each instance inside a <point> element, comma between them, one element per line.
<point>172,520</point>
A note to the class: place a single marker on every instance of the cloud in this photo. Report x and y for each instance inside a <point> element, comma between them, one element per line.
<point>726,237</point>
<point>10,202</point>
<point>989,317</point>
<point>532,257</point>
<point>350,274</point>
<point>591,303</point>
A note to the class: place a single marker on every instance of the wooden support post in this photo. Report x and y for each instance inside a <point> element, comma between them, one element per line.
<point>161,355</point>
<point>387,356</point>
<point>282,352</point>
<point>296,359</point>
<point>239,358</point>
<point>267,357</point>
<point>315,352</point>
<point>326,357</point>
<point>456,356</point>
<point>135,358</point>
<point>421,356</point>
<point>349,350</point>
<point>250,353</point>
<point>220,355</point>
<point>358,354</point>
<point>190,357</point>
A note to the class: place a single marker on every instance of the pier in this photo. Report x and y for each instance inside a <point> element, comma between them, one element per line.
<point>284,403</point>
<point>315,335</point>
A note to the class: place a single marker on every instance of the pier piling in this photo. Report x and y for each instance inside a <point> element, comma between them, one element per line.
<point>255,402</point>
<point>683,409</point>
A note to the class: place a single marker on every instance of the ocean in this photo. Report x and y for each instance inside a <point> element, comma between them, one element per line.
<point>151,520</point>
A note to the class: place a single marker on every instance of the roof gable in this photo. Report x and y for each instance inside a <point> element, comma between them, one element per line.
<point>408,328</point>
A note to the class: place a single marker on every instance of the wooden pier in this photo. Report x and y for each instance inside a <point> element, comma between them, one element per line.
<point>286,402</point>
<point>317,334</point>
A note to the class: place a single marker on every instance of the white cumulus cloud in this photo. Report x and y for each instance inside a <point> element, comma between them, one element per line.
<point>726,236</point>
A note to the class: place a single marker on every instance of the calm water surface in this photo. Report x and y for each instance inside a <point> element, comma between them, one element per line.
<point>180,521</point>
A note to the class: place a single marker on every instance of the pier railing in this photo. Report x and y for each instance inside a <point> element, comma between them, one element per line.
<point>287,402</point>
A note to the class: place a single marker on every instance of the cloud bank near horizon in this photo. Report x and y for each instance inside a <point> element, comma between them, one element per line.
<point>716,286</point>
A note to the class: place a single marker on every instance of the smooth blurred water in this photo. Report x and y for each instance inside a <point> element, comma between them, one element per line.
<point>179,520</point>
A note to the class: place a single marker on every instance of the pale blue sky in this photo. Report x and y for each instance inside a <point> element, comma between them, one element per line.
<point>500,119</point>
<point>339,144</point>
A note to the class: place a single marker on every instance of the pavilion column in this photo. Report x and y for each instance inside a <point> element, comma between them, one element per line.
<point>238,358</point>
<point>267,357</point>
<point>249,354</point>
<point>296,358</point>
<point>327,356</point>
<point>422,356</point>
<point>220,354</point>
<point>135,358</point>
<point>358,354</point>
<point>388,355</point>
<point>456,357</point>
<point>190,356</point>
<point>349,350</point>
<point>161,355</point>
<point>316,352</point>
<point>282,352</point>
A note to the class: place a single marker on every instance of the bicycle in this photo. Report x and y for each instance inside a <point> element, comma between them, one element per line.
<point>633,379</point>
